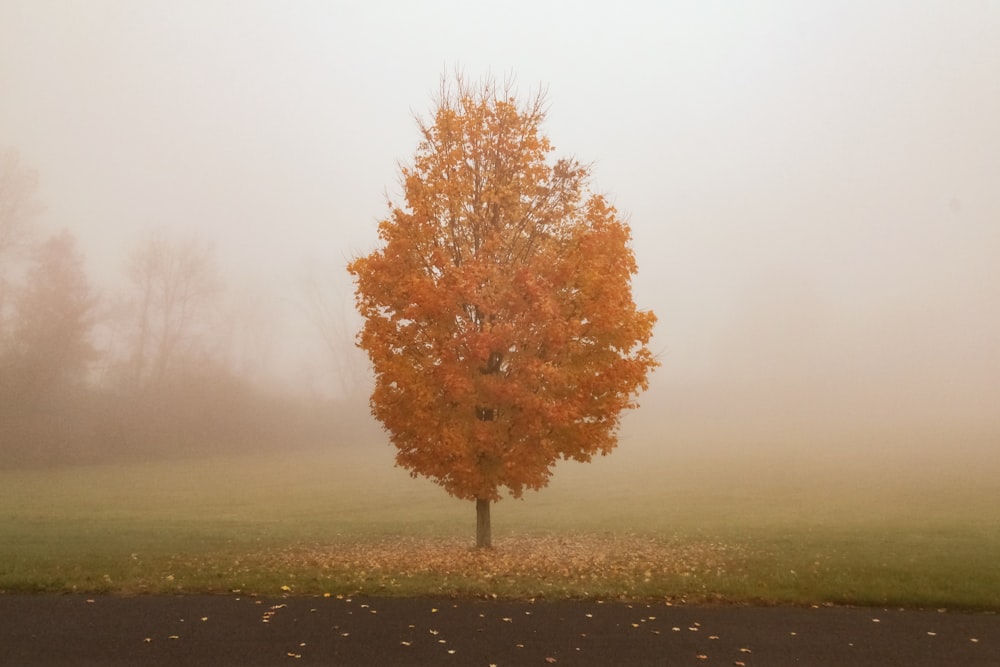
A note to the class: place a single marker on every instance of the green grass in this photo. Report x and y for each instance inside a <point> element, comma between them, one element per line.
<point>763,527</point>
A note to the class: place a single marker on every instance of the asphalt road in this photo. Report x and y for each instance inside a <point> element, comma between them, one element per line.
<point>231,630</point>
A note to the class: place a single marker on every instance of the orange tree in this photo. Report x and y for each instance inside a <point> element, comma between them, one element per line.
<point>498,309</point>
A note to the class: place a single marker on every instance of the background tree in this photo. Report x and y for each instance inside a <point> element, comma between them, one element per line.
<point>17,201</point>
<point>174,286</point>
<point>172,387</point>
<point>327,303</point>
<point>44,365</point>
<point>498,312</point>
<point>49,344</point>
<point>18,207</point>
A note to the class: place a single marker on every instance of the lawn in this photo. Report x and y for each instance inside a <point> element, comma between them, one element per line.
<point>767,525</point>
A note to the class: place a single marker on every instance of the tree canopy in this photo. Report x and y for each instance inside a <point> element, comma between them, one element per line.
<point>498,311</point>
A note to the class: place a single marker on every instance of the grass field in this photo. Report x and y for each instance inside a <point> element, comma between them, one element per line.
<point>694,526</point>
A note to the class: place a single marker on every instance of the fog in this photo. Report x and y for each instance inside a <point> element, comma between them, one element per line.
<point>812,188</point>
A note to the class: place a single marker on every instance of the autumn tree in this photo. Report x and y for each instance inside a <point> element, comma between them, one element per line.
<point>498,311</point>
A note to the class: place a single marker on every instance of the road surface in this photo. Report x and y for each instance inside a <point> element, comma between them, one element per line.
<point>245,630</point>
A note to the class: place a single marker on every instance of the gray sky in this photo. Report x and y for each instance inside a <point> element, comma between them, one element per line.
<point>814,188</point>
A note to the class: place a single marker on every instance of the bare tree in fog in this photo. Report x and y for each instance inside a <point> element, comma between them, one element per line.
<point>175,391</point>
<point>329,305</point>
<point>247,335</point>
<point>174,284</point>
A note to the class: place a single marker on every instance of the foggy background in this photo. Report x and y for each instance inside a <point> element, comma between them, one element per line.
<point>813,192</point>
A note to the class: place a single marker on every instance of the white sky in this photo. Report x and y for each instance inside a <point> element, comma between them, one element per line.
<point>814,188</point>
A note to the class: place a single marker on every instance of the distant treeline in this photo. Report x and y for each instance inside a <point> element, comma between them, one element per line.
<point>168,364</point>
<point>209,414</point>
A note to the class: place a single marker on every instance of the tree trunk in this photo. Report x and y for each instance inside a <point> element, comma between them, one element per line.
<point>484,534</point>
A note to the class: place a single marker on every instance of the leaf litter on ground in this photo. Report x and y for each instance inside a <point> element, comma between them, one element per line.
<point>621,564</point>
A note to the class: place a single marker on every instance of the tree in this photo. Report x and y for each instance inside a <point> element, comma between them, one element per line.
<point>17,204</point>
<point>498,311</point>
<point>49,346</point>
<point>328,305</point>
<point>18,208</point>
<point>174,284</point>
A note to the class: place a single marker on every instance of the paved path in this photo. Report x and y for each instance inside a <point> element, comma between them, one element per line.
<point>205,630</point>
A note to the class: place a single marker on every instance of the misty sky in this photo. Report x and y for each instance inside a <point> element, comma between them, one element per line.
<point>814,188</point>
